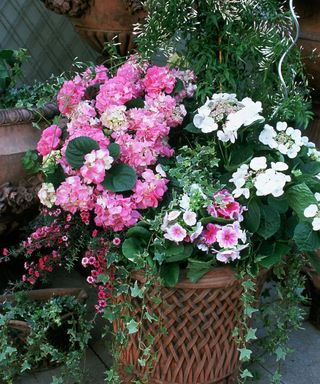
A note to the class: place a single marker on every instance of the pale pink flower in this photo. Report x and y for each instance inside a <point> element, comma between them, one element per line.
<point>227,237</point>
<point>228,255</point>
<point>190,218</point>
<point>175,233</point>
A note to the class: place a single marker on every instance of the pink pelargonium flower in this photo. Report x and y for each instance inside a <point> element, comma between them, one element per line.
<point>225,206</point>
<point>227,237</point>
<point>50,139</point>
<point>175,233</point>
<point>72,195</point>
<point>159,79</point>
<point>210,233</point>
<point>228,255</point>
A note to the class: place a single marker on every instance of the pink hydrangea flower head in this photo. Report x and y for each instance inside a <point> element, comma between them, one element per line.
<point>159,79</point>
<point>70,95</point>
<point>72,195</point>
<point>50,139</point>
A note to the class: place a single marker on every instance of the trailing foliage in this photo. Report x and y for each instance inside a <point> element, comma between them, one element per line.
<point>233,47</point>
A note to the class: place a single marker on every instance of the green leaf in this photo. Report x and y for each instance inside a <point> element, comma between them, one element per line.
<point>114,150</point>
<point>57,177</point>
<point>131,248</point>
<point>138,102</point>
<point>78,148</point>
<point>132,326</point>
<point>198,268</point>
<point>245,354</point>
<point>311,168</point>
<point>277,252</point>
<point>140,232</point>
<point>306,238</point>
<point>178,253</point>
<point>253,216</point>
<point>170,274</point>
<point>245,374</point>
<point>280,203</point>
<point>120,178</point>
<point>30,161</point>
<point>219,220</point>
<point>270,221</point>
<point>280,353</point>
<point>299,198</point>
<point>192,128</point>
<point>178,87</point>
<point>251,334</point>
<point>136,291</point>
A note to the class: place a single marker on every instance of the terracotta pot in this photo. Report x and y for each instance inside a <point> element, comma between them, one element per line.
<point>199,347</point>
<point>17,136</point>
<point>100,21</point>
<point>17,189</point>
<point>309,13</point>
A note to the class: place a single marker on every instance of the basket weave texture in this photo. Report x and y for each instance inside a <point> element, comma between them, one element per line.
<point>198,347</point>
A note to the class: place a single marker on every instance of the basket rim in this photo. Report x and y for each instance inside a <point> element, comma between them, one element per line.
<point>218,277</point>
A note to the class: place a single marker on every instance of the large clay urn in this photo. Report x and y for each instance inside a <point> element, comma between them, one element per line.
<point>309,13</point>
<point>17,188</point>
<point>99,21</point>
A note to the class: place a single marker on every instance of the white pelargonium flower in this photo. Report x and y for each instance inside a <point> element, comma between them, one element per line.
<point>258,163</point>
<point>285,139</point>
<point>247,115</point>
<point>203,120</point>
<point>316,224</point>
<point>270,182</point>
<point>47,195</point>
<point>311,210</point>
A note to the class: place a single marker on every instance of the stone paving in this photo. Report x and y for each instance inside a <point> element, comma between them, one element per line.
<point>300,367</point>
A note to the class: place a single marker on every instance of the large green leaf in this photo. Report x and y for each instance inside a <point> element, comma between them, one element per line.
<point>181,252</point>
<point>252,216</point>
<point>277,252</point>
<point>114,150</point>
<point>280,203</point>
<point>299,198</point>
<point>131,248</point>
<point>270,221</point>
<point>198,268</point>
<point>78,148</point>
<point>306,238</point>
<point>192,128</point>
<point>139,232</point>
<point>170,274</point>
<point>120,178</point>
<point>311,168</point>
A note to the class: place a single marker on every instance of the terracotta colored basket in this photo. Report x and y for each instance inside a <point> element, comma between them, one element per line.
<point>200,318</point>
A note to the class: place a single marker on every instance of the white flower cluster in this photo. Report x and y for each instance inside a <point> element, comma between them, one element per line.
<point>285,139</point>
<point>313,211</point>
<point>47,195</point>
<point>267,181</point>
<point>225,114</point>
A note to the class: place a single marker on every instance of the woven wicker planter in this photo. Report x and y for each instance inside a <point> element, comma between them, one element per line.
<point>200,318</point>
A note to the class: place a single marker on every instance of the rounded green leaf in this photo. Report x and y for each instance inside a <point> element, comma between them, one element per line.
<point>114,150</point>
<point>120,178</point>
<point>78,148</point>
